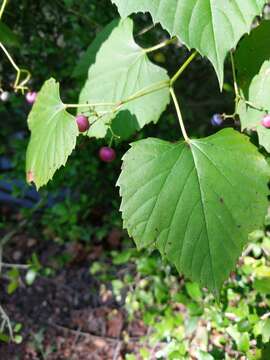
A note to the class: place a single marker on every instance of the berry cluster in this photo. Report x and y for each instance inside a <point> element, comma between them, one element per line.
<point>106,153</point>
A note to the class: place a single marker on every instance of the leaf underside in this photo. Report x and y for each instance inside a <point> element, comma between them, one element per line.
<point>53,135</point>
<point>196,203</point>
<point>213,27</point>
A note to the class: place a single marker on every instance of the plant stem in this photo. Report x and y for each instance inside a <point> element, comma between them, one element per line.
<point>17,84</point>
<point>183,67</point>
<point>236,90</point>
<point>117,105</point>
<point>146,91</point>
<point>4,4</point>
<point>88,105</point>
<point>17,266</point>
<point>9,57</point>
<point>254,106</point>
<point>160,46</point>
<point>179,115</point>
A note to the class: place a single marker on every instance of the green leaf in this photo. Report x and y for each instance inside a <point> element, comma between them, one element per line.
<point>7,36</point>
<point>122,69</point>
<point>262,285</point>
<point>243,342</point>
<point>213,27</point>
<point>194,291</point>
<point>195,202</point>
<point>258,95</point>
<point>202,355</point>
<point>89,57</point>
<point>53,135</point>
<point>251,54</point>
<point>266,331</point>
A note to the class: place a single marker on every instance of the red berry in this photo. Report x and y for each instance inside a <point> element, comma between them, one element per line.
<point>266,121</point>
<point>107,154</point>
<point>83,123</point>
<point>31,97</point>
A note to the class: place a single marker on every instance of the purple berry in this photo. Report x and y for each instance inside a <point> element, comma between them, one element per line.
<point>266,121</point>
<point>31,97</point>
<point>107,154</point>
<point>216,120</point>
<point>83,123</point>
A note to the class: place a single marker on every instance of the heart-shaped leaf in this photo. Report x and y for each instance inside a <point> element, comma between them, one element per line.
<point>53,135</point>
<point>195,202</point>
<point>213,27</point>
<point>122,69</point>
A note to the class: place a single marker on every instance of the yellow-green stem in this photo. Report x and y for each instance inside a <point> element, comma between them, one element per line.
<point>236,90</point>
<point>183,67</point>
<point>2,9</point>
<point>161,45</point>
<point>179,115</point>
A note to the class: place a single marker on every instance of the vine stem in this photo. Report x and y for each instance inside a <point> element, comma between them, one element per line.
<point>9,58</point>
<point>117,105</point>
<point>4,4</point>
<point>88,105</point>
<point>181,122</point>
<point>17,85</point>
<point>17,266</point>
<point>183,67</point>
<point>147,90</point>
<point>161,45</point>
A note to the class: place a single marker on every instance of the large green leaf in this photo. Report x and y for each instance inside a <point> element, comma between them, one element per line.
<point>251,53</point>
<point>7,36</point>
<point>195,202</point>
<point>213,27</point>
<point>53,135</point>
<point>258,97</point>
<point>122,69</point>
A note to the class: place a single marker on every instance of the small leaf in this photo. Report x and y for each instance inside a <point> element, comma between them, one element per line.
<point>194,291</point>
<point>266,331</point>
<point>122,69</point>
<point>53,135</point>
<point>258,95</point>
<point>213,27</point>
<point>243,342</point>
<point>195,202</point>
<point>251,53</point>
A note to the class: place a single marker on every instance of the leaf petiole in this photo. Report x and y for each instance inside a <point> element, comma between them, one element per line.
<point>161,45</point>
<point>183,67</point>
<point>181,122</point>
<point>236,89</point>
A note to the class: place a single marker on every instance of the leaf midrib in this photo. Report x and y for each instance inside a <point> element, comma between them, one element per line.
<point>202,196</point>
